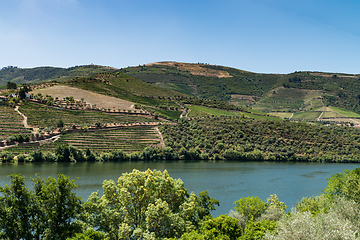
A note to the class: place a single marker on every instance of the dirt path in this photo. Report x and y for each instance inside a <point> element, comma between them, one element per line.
<point>24,121</point>
<point>185,113</point>
<point>319,118</point>
<point>162,143</point>
<point>292,114</point>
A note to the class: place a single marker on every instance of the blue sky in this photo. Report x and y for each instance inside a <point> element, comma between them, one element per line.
<point>269,36</point>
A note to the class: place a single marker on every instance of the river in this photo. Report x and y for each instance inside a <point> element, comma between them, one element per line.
<point>225,181</point>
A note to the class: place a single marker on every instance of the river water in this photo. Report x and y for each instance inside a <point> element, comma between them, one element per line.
<point>225,181</point>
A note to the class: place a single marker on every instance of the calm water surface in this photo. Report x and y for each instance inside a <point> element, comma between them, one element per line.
<point>225,181</point>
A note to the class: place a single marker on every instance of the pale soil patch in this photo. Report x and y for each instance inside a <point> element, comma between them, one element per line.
<point>247,98</point>
<point>282,114</point>
<point>162,143</point>
<point>242,100</point>
<point>100,100</point>
<point>325,109</point>
<point>195,69</point>
<point>332,74</point>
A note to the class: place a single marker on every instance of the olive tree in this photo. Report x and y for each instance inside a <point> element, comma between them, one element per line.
<point>149,205</point>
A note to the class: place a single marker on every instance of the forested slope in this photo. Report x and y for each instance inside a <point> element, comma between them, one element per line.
<point>246,139</point>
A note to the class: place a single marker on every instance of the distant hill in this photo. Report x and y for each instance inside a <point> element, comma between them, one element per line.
<point>298,95</point>
<point>43,74</point>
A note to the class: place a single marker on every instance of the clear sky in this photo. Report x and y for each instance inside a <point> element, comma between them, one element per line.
<point>269,36</point>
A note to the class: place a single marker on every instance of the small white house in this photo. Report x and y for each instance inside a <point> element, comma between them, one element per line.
<point>3,99</point>
<point>14,95</point>
<point>27,96</point>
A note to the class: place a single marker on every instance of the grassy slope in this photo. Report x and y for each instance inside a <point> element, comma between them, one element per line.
<point>199,111</point>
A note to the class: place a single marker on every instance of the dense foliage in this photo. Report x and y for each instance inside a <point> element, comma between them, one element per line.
<point>141,205</point>
<point>237,138</point>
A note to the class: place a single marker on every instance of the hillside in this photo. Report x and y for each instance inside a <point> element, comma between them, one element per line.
<point>148,122</point>
<point>43,74</point>
<point>299,96</point>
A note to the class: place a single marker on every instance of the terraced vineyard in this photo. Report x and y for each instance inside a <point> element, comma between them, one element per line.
<point>128,139</point>
<point>11,123</point>
<point>43,116</point>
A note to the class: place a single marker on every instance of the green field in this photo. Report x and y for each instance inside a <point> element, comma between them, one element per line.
<point>200,111</point>
<point>345,112</point>
<point>332,115</point>
<point>43,116</point>
<point>170,114</point>
<point>182,88</point>
<point>283,99</point>
<point>306,115</point>
<point>127,139</point>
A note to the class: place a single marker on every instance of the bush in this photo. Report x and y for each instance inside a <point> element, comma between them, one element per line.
<point>341,222</point>
<point>250,207</point>
<point>60,123</point>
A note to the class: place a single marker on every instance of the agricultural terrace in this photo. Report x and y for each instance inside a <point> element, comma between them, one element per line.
<point>43,116</point>
<point>92,98</point>
<point>200,111</point>
<point>129,139</point>
<point>287,99</point>
<point>11,123</point>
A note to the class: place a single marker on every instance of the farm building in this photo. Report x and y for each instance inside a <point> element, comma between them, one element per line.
<point>3,99</point>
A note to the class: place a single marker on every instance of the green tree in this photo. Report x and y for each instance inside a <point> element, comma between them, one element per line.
<point>62,153</point>
<point>60,123</point>
<point>48,212</point>
<point>256,230</point>
<point>11,85</point>
<point>22,93</point>
<point>222,227</point>
<point>89,234</point>
<point>17,209</point>
<point>60,205</point>
<point>147,204</point>
<point>250,207</point>
<point>345,184</point>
